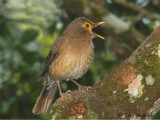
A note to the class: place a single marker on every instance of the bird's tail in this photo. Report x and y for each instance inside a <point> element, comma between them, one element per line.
<point>45,99</point>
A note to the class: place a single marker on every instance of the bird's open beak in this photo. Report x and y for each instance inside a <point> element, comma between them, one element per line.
<point>95,25</point>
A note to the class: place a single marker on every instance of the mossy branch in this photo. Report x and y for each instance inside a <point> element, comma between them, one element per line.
<point>129,91</point>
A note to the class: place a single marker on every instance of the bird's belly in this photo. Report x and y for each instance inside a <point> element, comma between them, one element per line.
<point>71,66</point>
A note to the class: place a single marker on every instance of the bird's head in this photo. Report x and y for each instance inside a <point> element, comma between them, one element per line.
<point>83,26</point>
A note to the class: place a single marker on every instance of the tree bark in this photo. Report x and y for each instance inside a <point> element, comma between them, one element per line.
<point>132,90</point>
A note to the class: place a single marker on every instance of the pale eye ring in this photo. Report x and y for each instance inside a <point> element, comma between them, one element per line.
<point>87,25</point>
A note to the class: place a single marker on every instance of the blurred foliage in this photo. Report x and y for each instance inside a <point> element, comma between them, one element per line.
<point>29,27</point>
<point>156,116</point>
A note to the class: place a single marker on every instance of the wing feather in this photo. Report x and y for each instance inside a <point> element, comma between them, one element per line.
<point>54,52</point>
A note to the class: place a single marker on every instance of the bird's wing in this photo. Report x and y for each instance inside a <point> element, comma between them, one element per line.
<point>51,56</point>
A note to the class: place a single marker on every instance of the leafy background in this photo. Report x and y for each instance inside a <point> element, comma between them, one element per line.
<point>29,27</point>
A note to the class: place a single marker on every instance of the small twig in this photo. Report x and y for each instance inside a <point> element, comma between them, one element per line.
<point>138,17</point>
<point>155,3</point>
<point>137,9</point>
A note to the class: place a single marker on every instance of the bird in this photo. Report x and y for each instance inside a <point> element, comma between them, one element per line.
<point>69,58</point>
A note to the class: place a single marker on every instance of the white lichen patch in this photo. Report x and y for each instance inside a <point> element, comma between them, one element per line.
<point>146,99</point>
<point>79,116</point>
<point>135,88</point>
<point>115,91</point>
<point>149,80</point>
<point>53,117</point>
<point>91,114</point>
<point>131,100</point>
<point>157,51</point>
<point>146,62</point>
<point>147,45</point>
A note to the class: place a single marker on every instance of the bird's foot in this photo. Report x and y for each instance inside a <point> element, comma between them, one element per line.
<point>69,91</point>
<point>61,94</point>
<point>80,87</point>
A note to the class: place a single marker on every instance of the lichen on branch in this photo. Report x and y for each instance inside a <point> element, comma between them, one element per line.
<point>129,91</point>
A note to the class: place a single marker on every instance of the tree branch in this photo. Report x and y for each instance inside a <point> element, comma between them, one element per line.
<point>137,9</point>
<point>129,91</point>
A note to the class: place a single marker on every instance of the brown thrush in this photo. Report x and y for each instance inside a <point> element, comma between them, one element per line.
<point>69,58</point>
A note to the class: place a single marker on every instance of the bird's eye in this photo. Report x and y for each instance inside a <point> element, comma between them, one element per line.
<point>87,25</point>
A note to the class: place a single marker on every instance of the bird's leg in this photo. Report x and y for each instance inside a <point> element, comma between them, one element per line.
<point>59,87</point>
<point>79,86</point>
<point>76,83</point>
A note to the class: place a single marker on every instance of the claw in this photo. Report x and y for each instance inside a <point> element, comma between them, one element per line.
<point>69,91</point>
<point>83,87</point>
